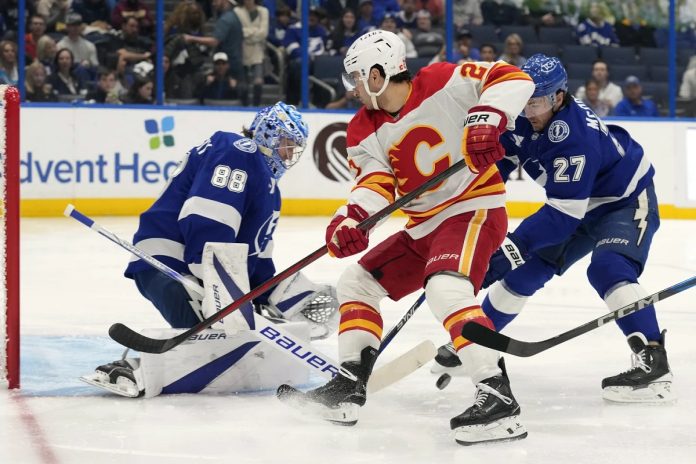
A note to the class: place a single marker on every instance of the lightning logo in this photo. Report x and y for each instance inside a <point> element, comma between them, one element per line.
<point>641,215</point>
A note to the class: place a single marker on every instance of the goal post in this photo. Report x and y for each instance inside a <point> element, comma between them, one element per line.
<point>9,210</point>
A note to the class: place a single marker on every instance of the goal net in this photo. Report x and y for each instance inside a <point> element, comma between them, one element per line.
<point>9,236</point>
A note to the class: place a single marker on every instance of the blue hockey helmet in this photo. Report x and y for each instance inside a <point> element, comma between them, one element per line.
<point>548,74</point>
<point>281,135</point>
<point>549,77</point>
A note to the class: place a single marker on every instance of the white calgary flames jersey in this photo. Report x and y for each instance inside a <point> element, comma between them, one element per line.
<point>391,156</point>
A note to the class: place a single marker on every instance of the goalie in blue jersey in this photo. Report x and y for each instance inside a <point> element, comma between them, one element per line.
<point>221,207</point>
<point>600,200</point>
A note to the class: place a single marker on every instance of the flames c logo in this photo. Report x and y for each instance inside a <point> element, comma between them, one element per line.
<point>406,161</point>
<point>329,152</point>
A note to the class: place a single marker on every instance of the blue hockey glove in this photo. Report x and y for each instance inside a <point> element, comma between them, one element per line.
<point>509,256</point>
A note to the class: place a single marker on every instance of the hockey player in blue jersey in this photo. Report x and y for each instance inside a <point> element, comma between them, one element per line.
<point>223,201</point>
<point>600,200</point>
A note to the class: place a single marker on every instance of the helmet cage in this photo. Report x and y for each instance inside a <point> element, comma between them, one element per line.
<point>281,135</point>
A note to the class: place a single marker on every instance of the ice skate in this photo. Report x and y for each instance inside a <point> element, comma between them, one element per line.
<point>648,381</point>
<point>117,377</point>
<point>340,399</point>
<point>494,415</point>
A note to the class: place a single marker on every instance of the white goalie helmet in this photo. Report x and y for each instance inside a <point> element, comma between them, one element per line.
<point>376,47</point>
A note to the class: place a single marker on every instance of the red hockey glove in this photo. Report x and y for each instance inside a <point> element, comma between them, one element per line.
<point>481,147</point>
<point>343,238</point>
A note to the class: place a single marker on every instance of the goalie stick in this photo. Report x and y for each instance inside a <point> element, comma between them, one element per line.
<point>499,342</point>
<point>385,376</point>
<point>138,342</point>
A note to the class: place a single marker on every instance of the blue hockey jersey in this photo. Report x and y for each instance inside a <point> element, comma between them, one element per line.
<point>586,167</point>
<point>222,191</point>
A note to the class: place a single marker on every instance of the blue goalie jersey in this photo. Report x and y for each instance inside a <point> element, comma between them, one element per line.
<point>222,191</point>
<point>586,167</point>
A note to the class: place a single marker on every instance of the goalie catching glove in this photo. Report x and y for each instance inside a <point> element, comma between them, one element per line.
<point>511,255</point>
<point>343,238</point>
<point>481,146</point>
<point>299,299</point>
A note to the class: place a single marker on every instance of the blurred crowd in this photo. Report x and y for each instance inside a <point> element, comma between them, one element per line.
<point>248,52</point>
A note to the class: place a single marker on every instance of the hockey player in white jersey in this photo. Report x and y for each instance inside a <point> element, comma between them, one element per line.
<point>600,200</point>
<point>407,132</point>
<point>221,207</point>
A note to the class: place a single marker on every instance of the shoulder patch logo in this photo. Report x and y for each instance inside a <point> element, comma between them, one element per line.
<point>558,131</point>
<point>245,145</point>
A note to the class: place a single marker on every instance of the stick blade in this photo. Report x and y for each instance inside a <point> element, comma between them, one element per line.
<point>496,341</point>
<point>138,342</point>
<point>402,366</point>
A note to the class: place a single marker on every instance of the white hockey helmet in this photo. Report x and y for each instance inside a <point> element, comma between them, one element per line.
<point>378,47</point>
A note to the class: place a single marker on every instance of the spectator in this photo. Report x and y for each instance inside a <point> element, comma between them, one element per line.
<point>380,8</point>
<point>283,19</point>
<point>92,11</point>
<point>54,12</point>
<point>140,92</point>
<point>336,8</point>
<point>544,13</point>
<point>499,12</point>
<point>406,18</point>
<point>35,85</point>
<point>600,107</point>
<point>219,85</point>
<point>434,7</point>
<point>513,50</point>
<point>8,63</point>
<point>609,92</point>
<point>317,46</point>
<point>254,21</point>
<point>389,24</point>
<point>688,85</point>
<point>65,80</point>
<point>227,36</point>
<point>344,34</point>
<point>130,44</point>
<point>465,50</point>
<point>488,52</point>
<point>173,83</point>
<point>633,103</point>
<point>37,28</point>
<point>468,12</point>
<point>366,16</point>
<point>133,8</point>
<point>84,51</point>
<point>595,30</point>
<point>46,52</point>
<point>428,42</point>
<point>105,91</point>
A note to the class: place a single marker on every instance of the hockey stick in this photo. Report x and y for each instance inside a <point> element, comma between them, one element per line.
<point>136,341</point>
<point>408,362</point>
<point>272,333</point>
<point>263,328</point>
<point>499,342</point>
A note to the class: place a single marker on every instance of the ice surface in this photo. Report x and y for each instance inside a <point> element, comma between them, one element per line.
<point>73,289</point>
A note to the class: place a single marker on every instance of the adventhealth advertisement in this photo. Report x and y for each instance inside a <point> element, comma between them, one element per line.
<point>73,153</point>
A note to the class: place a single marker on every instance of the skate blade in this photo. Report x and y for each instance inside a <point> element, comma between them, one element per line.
<point>505,429</point>
<point>653,393</point>
<point>123,387</point>
<point>345,414</point>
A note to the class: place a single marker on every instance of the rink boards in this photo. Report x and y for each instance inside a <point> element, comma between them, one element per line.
<point>116,160</point>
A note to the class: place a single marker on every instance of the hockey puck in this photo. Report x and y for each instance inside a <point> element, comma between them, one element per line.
<point>443,381</point>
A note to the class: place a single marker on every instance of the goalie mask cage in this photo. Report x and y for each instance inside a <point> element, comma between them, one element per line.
<point>9,236</point>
